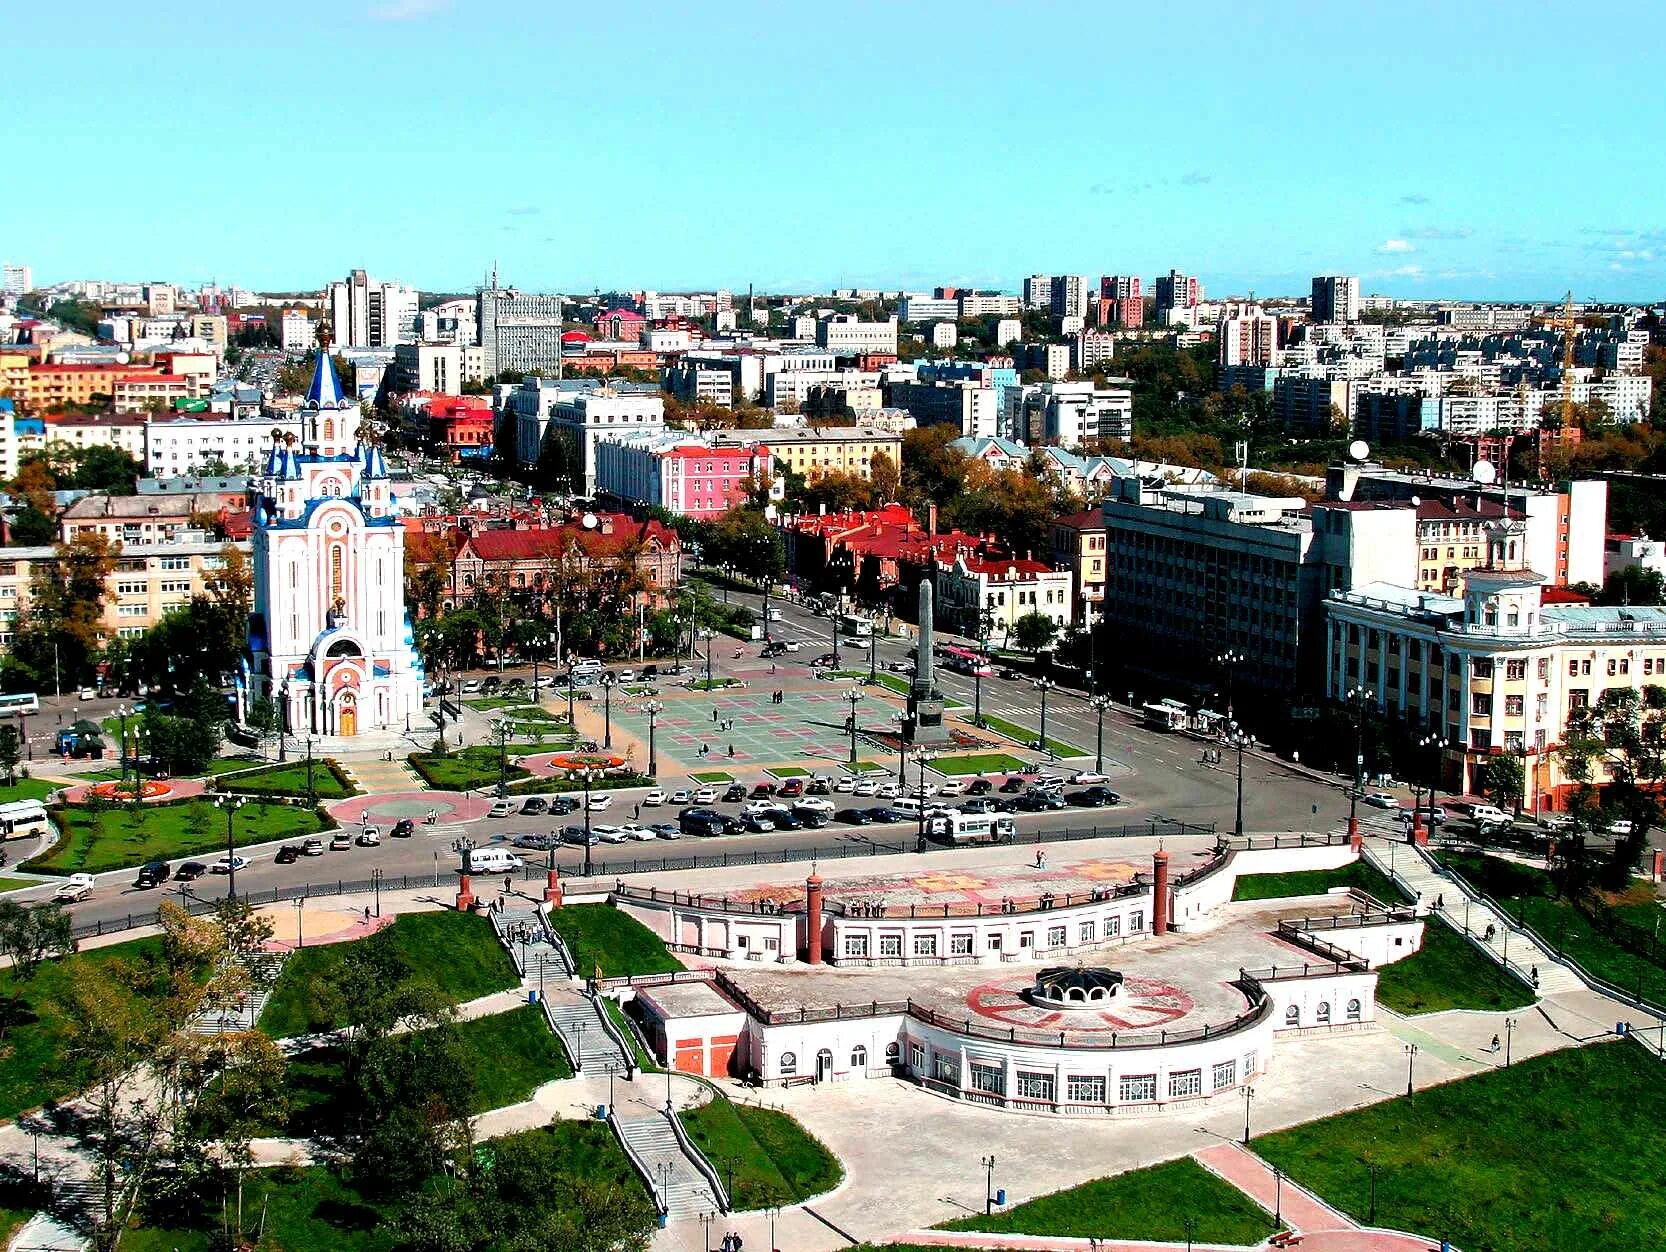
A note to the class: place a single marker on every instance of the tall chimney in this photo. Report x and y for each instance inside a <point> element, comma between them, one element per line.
<point>1159,892</point>
<point>812,918</point>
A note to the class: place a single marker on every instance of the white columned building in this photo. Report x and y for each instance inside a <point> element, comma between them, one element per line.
<point>328,636</point>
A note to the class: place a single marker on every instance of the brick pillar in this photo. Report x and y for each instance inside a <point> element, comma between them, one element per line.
<point>812,919</point>
<point>1659,865</point>
<point>1420,835</point>
<point>1355,840</point>
<point>1159,892</point>
<point>465,894</point>
<point>552,888</point>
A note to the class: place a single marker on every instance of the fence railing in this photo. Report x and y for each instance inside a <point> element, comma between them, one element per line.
<point>655,1192</point>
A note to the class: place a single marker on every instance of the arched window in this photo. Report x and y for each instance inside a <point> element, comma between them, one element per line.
<point>1292,1016</point>
<point>329,428</point>
<point>1324,1012</point>
<point>1074,993</point>
<point>1491,614</point>
<point>859,1057</point>
<point>1353,1010</point>
<point>789,1062</point>
<point>893,1052</point>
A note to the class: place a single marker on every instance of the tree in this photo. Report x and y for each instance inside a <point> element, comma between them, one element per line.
<point>265,718</point>
<point>886,478</point>
<point>11,753</point>
<point>1621,738</point>
<point>1034,631</point>
<point>1633,585</point>
<point>31,933</point>
<point>1501,779</point>
<point>60,633</point>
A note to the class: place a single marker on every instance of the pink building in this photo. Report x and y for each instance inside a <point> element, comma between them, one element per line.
<point>683,477</point>
<point>620,324</point>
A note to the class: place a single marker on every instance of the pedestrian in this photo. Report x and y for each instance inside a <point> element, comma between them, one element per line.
<point>1495,1043</point>
<point>731,750</point>
<point>638,812</point>
<point>367,915</point>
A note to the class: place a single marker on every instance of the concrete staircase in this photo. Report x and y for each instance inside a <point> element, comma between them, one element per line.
<point>686,1191</point>
<point>1509,945</point>
<point>577,1021</point>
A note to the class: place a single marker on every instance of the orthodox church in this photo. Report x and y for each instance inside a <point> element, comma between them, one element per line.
<point>329,640</point>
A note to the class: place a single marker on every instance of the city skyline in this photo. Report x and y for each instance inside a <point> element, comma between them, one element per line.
<point>1254,153</point>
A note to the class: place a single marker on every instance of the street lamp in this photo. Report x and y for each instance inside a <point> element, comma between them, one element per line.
<point>1435,741</point>
<point>1238,737</point>
<point>607,705</point>
<point>1100,704</point>
<point>1509,1032</point>
<point>1357,696</point>
<point>121,712</point>
<point>570,723</point>
<point>921,756</point>
<point>707,636</point>
<point>500,731</point>
<point>585,772</point>
<point>855,698</point>
<point>376,885</point>
<point>1044,685</point>
<point>1371,1168</point>
<point>1249,1094</point>
<point>230,804</point>
<point>1229,661</point>
<point>653,709</point>
<point>986,623</point>
<point>873,669</point>
<point>1411,1060</point>
<point>312,792</point>
<point>988,1163</point>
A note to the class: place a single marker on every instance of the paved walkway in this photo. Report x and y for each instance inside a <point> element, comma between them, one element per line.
<point>377,776</point>
<point>1298,1209</point>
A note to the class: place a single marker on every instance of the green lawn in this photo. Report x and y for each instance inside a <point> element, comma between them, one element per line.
<point>1144,1204</point>
<point>787,771</point>
<point>464,769</point>
<point>768,1155</point>
<point>17,884</point>
<point>290,779</point>
<point>701,684</point>
<point>31,789</point>
<point>1026,736</point>
<point>978,763</point>
<point>1448,973</point>
<point>1314,882</point>
<point>521,704</point>
<point>122,836</point>
<point>1558,1152</point>
<point>32,1065</point>
<point>307,1210</point>
<point>599,935</point>
<point>644,1061</point>
<point>712,776</point>
<point>867,767</point>
<point>517,1054</point>
<point>457,952</point>
<point>902,686</point>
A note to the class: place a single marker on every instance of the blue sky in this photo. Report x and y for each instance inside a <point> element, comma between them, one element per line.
<point>1459,149</point>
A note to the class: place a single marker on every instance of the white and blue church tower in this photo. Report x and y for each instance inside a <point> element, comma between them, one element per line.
<point>329,639</point>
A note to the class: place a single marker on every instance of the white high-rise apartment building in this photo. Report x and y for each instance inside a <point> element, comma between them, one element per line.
<point>518,331</point>
<point>1038,291</point>
<point>1069,295</point>
<point>295,331</point>
<point>367,313</point>
<point>1336,298</point>
<point>15,279</point>
<point>1248,339</point>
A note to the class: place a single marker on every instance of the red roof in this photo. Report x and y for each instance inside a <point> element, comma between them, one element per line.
<point>544,541</point>
<point>1462,510</point>
<point>1005,568</point>
<point>1087,519</point>
<point>1561,595</point>
<point>694,452</point>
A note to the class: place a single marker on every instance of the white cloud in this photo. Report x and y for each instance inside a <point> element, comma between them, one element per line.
<point>1392,247</point>
<point>406,10</point>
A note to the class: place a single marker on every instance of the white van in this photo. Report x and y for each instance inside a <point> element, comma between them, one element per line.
<point>586,665</point>
<point>490,861</point>
<point>911,805</point>
<point>1487,815</point>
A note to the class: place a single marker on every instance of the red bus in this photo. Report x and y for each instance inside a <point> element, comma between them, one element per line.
<point>965,661</point>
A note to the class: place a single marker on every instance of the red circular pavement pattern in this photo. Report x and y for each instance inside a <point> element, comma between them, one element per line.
<point>1142,1004</point>
<point>173,789</point>
<point>452,806</point>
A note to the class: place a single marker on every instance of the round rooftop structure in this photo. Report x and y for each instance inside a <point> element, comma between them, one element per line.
<point>1075,987</point>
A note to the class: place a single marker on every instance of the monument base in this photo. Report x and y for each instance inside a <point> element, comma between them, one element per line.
<point>924,726</point>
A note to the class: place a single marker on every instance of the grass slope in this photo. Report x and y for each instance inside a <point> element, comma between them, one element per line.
<point>33,1069</point>
<point>770,1157</point>
<point>1314,882</point>
<point>457,952</point>
<point>1561,1151</point>
<point>307,1210</point>
<point>119,837</point>
<point>1144,1204</point>
<point>1448,973</point>
<point>600,936</point>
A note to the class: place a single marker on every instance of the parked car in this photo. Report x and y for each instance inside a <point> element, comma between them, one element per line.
<point>853,817</point>
<point>312,847</point>
<point>608,834</point>
<point>823,661</point>
<point>706,795</point>
<point>1383,800</point>
<point>817,787</point>
<point>702,822</point>
<point>1086,799</point>
<point>734,793</point>
<point>884,813</point>
<point>979,787</point>
<point>404,828</point>
<point>501,808</point>
<point>87,693</point>
<point>228,863</point>
<point>560,806</point>
<point>152,874</point>
<point>682,795</point>
<point>341,841</point>
<point>1556,821</point>
<point>470,686</point>
<point>978,804</point>
<point>654,798</point>
<point>369,837</point>
<point>784,819</point>
<point>792,788</point>
<point>1086,777</point>
<point>1619,826</point>
<point>536,841</point>
<point>760,790</point>
<point>844,786</point>
<point>887,791</point>
<point>577,835</point>
<point>75,887</point>
<point>666,830</point>
<point>1109,796</point>
<point>189,870</point>
<point>757,806</point>
<point>288,854</point>
<point>757,823</point>
<point>1012,786</point>
<point>865,787</point>
<point>952,787</point>
<point>599,800</point>
<point>636,830</point>
<point>532,806</point>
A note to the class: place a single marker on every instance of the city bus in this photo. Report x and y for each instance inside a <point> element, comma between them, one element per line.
<point>966,661</point>
<point>957,827</point>
<point>855,626</point>
<point>22,702</point>
<point>1167,715</point>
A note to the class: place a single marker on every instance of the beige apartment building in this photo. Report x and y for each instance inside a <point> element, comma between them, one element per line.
<point>813,451</point>
<point>148,580</point>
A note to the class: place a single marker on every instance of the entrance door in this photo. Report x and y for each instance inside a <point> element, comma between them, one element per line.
<point>349,718</point>
<point>824,1065</point>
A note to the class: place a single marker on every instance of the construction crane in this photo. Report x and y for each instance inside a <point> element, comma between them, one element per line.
<point>1569,325</point>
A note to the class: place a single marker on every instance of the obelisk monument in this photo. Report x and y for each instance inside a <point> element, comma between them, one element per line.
<point>924,726</point>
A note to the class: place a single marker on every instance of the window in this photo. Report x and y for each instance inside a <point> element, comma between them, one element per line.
<point>1324,1012</point>
<point>1032,1085</point>
<point>859,1057</point>
<point>1513,706</point>
<point>1293,1016</point>
<point>1515,671</point>
<point>1113,927</point>
<point>1481,667</point>
<point>1225,1074</point>
<point>1353,1010</point>
<point>1480,704</point>
<point>1135,1087</point>
<point>1249,1065</point>
<point>1136,921</point>
<point>1085,1088</point>
<point>945,1067</point>
<point>988,1078</point>
<point>1085,932</point>
<point>925,945</point>
<point>1185,1082</point>
<point>789,1062</point>
<point>1055,936</point>
<point>856,945</point>
<point>890,945</point>
<point>960,945</point>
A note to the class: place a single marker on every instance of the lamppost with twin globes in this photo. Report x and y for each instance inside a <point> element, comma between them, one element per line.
<point>653,708</point>
<point>1044,685</point>
<point>855,698</point>
<point>1100,704</point>
<point>608,680</point>
<point>230,804</point>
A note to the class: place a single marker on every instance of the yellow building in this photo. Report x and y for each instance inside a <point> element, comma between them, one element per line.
<point>1079,546</point>
<point>813,451</point>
